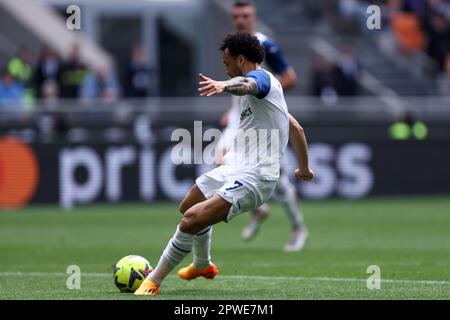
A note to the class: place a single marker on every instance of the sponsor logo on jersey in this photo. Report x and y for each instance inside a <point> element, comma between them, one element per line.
<point>246,113</point>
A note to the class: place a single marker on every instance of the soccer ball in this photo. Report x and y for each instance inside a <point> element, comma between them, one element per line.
<point>130,272</point>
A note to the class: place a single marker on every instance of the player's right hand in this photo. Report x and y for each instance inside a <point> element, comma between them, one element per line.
<point>210,87</point>
<point>304,174</point>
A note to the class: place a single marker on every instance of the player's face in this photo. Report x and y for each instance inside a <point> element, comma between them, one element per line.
<point>244,19</point>
<point>231,65</point>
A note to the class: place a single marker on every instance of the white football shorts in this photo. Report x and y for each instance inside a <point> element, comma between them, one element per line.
<point>244,191</point>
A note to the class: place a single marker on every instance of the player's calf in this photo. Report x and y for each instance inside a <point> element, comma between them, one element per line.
<point>257,216</point>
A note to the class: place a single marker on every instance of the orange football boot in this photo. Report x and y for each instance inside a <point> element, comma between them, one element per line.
<point>147,288</point>
<point>190,272</point>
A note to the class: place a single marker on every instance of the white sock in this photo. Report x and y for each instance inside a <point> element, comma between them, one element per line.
<point>288,197</point>
<point>201,248</point>
<point>178,247</point>
<point>293,211</point>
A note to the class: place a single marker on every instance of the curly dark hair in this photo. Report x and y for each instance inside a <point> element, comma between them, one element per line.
<point>245,44</point>
<point>243,3</point>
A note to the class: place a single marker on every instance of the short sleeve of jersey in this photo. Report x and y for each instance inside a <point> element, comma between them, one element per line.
<point>275,59</point>
<point>262,82</point>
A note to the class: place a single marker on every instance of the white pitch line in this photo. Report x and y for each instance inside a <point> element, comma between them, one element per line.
<point>238,277</point>
<point>52,274</point>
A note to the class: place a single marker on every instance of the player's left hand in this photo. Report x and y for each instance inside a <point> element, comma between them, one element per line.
<point>210,87</point>
<point>305,174</point>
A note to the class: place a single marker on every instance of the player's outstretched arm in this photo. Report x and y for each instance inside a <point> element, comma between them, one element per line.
<point>238,86</point>
<point>299,144</point>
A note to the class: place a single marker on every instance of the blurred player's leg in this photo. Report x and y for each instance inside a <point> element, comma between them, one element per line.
<point>257,216</point>
<point>287,195</point>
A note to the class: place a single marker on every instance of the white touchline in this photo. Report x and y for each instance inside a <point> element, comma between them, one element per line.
<point>236,277</point>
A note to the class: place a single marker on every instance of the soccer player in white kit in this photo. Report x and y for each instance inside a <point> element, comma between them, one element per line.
<point>244,20</point>
<point>249,173</point>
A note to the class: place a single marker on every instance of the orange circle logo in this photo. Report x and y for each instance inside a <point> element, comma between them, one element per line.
<point>19,173</point>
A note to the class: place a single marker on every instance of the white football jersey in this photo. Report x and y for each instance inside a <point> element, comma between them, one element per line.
<point>262,135</point>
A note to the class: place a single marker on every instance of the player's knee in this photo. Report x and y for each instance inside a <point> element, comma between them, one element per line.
<point>183,207</point>
<point>190,222</point>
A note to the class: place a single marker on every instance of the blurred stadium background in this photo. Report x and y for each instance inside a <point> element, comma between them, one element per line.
<point>94,108</point>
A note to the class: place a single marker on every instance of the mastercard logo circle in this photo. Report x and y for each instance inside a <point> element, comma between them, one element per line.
<point>19,173</point>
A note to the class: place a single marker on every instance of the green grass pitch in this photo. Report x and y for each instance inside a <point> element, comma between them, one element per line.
<point>408,238</point>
